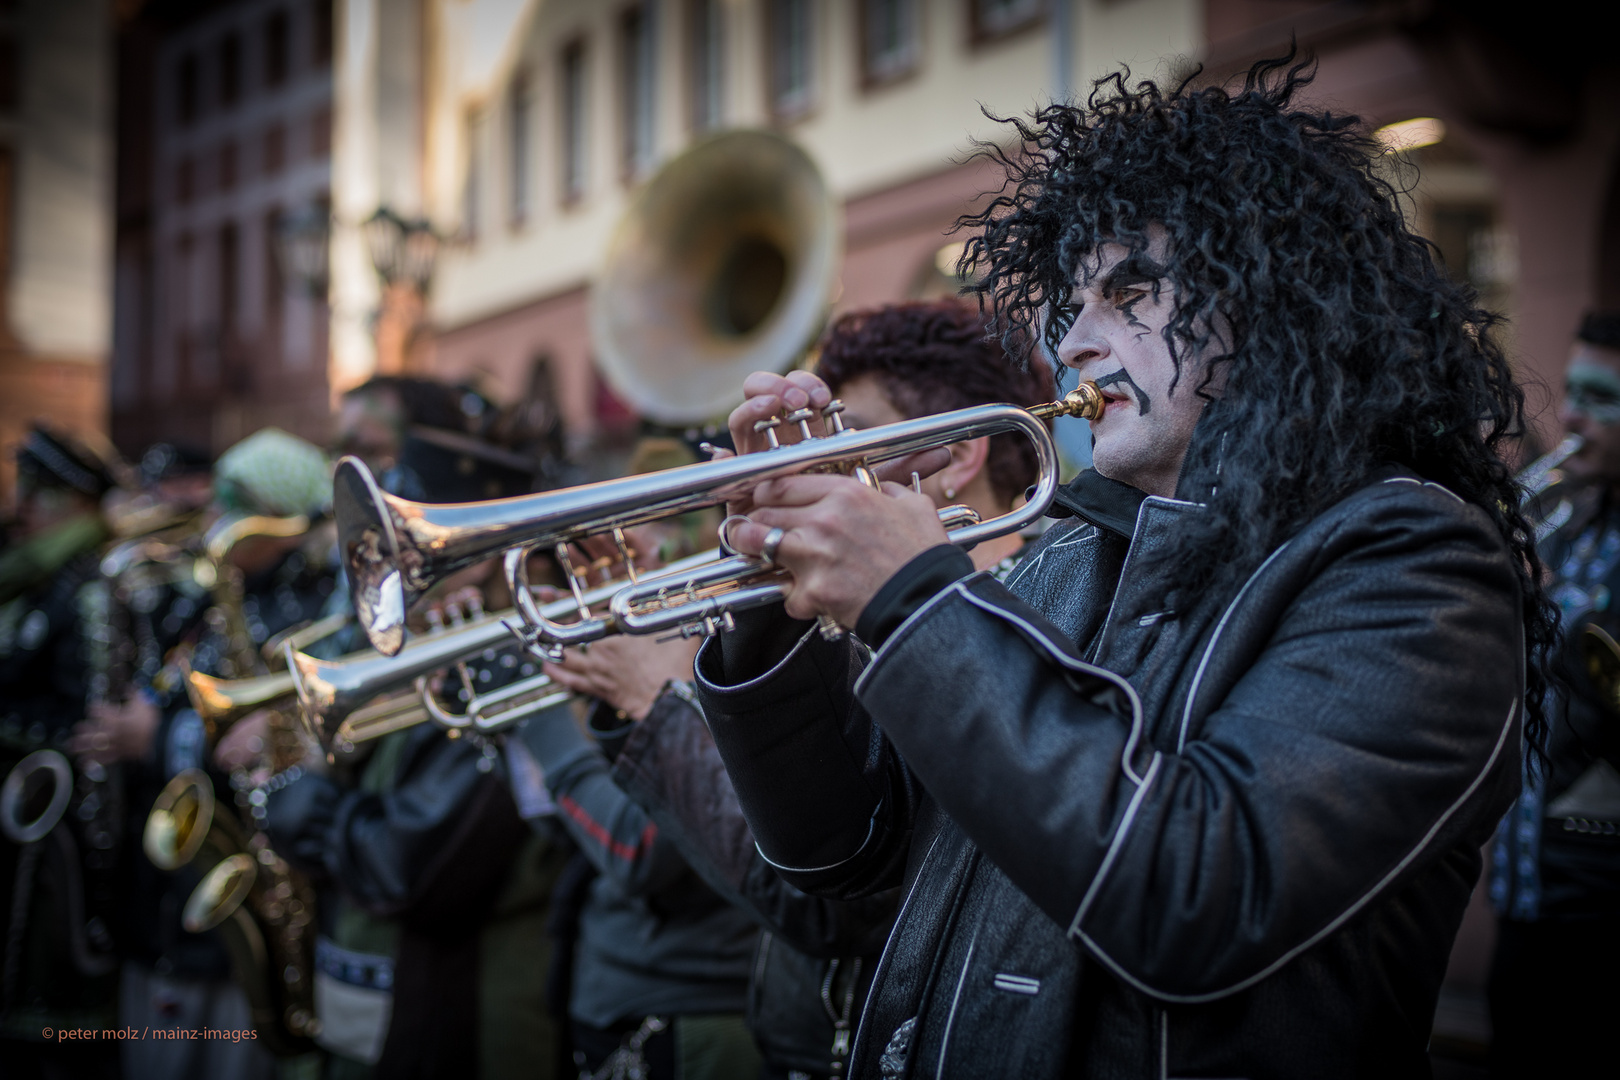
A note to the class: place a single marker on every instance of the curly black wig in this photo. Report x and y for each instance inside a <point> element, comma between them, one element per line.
<point>931,356</point>
<point>1343,344</point>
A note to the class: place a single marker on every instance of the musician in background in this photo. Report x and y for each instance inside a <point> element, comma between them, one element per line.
<point>172,977</point>
<point>58,968</point>
<point>435,858</point>
<point>1555,867</point>
<point>1201,789</point>
<point>655,962</point>
<point>375,420</point>
<point>817,956</point>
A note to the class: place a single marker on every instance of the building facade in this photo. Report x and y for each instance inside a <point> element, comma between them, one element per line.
<point>225,132</point>
<point>56,161</point>
<point>541,120</point>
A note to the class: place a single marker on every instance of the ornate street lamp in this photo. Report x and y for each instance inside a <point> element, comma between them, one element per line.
<point>402,251</point>
<point>303,246</point>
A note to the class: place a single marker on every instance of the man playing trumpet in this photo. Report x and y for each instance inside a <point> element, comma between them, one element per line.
<point>1201,790</point>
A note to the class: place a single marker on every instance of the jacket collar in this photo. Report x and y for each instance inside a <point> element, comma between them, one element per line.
<point>1107,504</point>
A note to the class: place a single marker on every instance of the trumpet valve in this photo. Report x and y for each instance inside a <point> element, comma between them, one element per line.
<point>830,415</point>
<point>768,428</point>
<point>802,417</point>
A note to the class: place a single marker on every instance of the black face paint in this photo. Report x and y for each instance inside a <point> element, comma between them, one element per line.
<point>1128,309</point>
<point>1143,402</point>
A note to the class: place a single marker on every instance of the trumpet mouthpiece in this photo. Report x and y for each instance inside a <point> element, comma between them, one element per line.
<point>1084,402</point>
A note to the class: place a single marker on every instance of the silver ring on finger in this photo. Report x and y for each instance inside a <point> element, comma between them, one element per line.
<point>725,538</point>
<point>773,541</point>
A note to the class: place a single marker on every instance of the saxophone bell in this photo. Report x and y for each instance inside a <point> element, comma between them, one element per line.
<point>182,820</point>
<point>35,796</point>
<point>220,893</point>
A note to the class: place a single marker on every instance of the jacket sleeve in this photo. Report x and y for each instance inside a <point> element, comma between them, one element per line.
<point>670,765</point>
<point>383,849</point>
<point>828,801</point>
<point>618,837</point>
<point>1373,723</point>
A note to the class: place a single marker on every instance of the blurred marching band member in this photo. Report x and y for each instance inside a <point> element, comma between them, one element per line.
<point>1555,866</point>
<point>816,956</point>
<point>653,964</point>
<point>435,856</point>
<point>435,894</point>
<point>174,978</point>
<point>58,968</point>
<point>374,417</point>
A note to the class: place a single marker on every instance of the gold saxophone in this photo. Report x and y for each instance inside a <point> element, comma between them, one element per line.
<point>70,812</point>
<point>262,906</point>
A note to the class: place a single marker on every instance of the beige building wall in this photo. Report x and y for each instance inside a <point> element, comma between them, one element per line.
<point>507,290</point>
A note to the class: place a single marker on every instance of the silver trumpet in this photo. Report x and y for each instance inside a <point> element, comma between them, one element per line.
<point>1543,475</point>
<point>395,551</point>
<point>362,697</point>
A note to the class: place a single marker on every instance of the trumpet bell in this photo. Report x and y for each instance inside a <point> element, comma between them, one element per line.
<point>219,894</point>
<point>179,820</point>
<point>723,265</point>
<point>372,556</point>
<point>35,795</point>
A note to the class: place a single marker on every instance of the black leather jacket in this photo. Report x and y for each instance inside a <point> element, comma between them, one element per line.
<point>813,964</point>
<point>1231,841</point>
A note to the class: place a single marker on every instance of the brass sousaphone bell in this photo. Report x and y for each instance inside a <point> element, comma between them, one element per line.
<point>724,264</point>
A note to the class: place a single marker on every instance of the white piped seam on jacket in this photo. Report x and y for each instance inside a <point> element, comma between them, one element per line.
<point>697,669</point>
<point>1130,551</point>
<point>871,831</point>
<point>1333,924</point>
<point>1115,845</point>
<point>1031,563</point>
<point>900,916</point>
<point>1427,484</point>
<point>956,999</point>
<point>1062,657</point>
<point>900,631</point>
<point>1198,676</point>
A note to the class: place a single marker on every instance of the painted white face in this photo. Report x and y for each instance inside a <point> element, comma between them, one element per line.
<point>1591,409</point>
<point>1117,341</point>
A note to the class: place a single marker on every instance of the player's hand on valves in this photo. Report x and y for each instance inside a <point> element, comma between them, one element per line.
<point>626,672</point>
<point>453,607</point>
<point>840,540</point>
<point>768,395</point>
